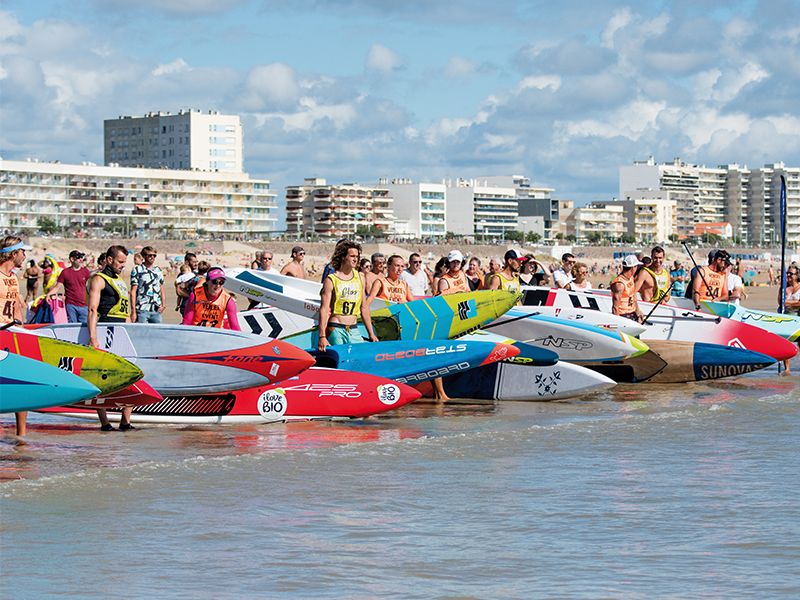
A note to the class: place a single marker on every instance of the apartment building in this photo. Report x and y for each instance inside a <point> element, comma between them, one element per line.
<point>532,201</point>
<point>748,199</point>
<point>606,219</point>
<point>335,211</point>
<point>650,216</point>
<point>188,140</point>
<point>92,199</point>
<point>422,206</point>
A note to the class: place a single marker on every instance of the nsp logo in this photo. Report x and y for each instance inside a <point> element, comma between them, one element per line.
<point>562,343</point>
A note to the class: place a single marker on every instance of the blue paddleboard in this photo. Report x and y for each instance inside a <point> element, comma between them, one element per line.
<point>413,361</point>
<point>27,384</point>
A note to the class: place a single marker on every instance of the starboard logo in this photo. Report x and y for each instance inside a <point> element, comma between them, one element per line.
<point>272,404</point>
<point>276,350</point>
<point>388,393</point>
<point>466,309</point>
<point>432,374</point>
<point>70,364</point>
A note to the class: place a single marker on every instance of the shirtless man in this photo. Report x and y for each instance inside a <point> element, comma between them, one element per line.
<point>343,299</point>
<point>377,272</point>
<point>295,267</point>
<point>653,282</point>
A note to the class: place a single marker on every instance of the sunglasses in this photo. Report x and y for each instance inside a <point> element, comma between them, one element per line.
<point>218,281</point>
<point>266,258</point>
<point>152,255</point>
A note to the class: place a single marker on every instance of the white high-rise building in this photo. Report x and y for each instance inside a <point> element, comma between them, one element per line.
<point>92,199</point>
<point>421,205</point>
<point>188,140</point>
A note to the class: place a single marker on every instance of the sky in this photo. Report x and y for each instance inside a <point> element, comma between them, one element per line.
<point>355,90</point>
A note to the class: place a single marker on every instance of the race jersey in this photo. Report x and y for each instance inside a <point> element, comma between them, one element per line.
<point>114,301</point>
<point>717,284</point>
<point>512,285</point>
<point>348,294</point>
<point>661,282</point>
<point>457,284</point>
<point>394,291</point>
<point>9,297</point>
<point>207,312</point>
<point>627,295</point>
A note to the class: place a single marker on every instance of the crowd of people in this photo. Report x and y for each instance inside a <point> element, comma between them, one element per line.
<point>96,291</point>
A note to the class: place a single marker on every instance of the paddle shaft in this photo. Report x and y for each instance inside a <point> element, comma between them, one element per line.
<point>699,270</point>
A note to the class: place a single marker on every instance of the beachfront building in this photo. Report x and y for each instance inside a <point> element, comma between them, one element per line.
<point>188,140</point>
<point>422,205</point>
<point>148,202</point>
<point>475,207</point>
<point>532,201</point>
<point>650,216</point>
<point>748,199</point>
<point>598,220</point>
<point>335,211</point>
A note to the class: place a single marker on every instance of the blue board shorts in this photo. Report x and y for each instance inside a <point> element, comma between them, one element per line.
<point>344,335</point>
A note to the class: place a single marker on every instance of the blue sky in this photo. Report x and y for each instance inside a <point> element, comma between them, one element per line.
<point>355,90</point>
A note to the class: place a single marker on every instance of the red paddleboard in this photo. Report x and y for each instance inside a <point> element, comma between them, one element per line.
<point>313,394</point>
<point>138,394</point>
<point>672,323</point>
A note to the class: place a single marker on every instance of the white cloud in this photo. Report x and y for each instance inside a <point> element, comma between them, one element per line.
<point>621,18</point>
<point>176,66</point>
<point>458,67</point>
<point>382,59</point>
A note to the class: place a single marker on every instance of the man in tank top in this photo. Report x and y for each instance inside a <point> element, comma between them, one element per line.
<point>392,287</point>
<point>711,283</point>
<point>653,282</point>
<point>343,299</point>
<point>108,301</point>
<point>508,278</point>
<point>623,290</point>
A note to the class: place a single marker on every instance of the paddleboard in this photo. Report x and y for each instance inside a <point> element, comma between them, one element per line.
<point>439,317</point>
<point>528,354</point>
<point>571,340</point>
<point>672,323</point>
<point>414,361</point>
<point>140,393</point>
<point>785,326</point>
<point>106,371</point>
<point>504,381</point>
<point>588,317</point>
<point>698,361</point>
<point>314,394</point>
<point>28,384</point>
<point>179,359</point>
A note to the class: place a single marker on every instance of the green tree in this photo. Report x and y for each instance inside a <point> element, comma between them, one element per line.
<point>514,236</point>
<point>47,225</point>
<point>673,237</point>
<point>571,238</point>
<point>595,237</point>
<point>627,238</point>
<point>532,237</point>
<point>559,236</point>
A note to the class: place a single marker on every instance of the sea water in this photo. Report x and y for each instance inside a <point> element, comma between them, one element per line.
<point>671,491</point>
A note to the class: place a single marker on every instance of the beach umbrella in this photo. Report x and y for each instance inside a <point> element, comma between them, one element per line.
<point>191,245</point>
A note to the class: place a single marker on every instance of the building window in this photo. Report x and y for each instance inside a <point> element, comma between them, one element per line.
<point>230,128</point>
<point>163,129</point>
<point>112,143</point>
<point>112,132</point>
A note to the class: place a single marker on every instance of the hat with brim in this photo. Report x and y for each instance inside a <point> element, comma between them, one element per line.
<point>455,256</point>
<point>215,273</point>
<point>631,261</point>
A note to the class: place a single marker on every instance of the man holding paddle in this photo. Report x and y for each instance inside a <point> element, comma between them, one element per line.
<point>711,283</point>
<point>623,290</point>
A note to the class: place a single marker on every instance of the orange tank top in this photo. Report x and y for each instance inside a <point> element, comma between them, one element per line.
<point>209,313</point>
<point>457,284</point>
<point>394,292</point>
<point>717,284</point>
<point>627,294</point>
<point>9,296</point>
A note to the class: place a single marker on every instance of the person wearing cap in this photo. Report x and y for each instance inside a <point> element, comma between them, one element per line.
<point>12,256</point>
<point>653,282</point>
<point>508,278</point>
<point>562,277</point>
<point>73,280</point>
<point>343,299</point>
<point>677,278</point>
<point>295,267</point>
<point>148,298</point>
<point>209,303</point>
<point>710,284</point>
<point>693,274</point>
<point>623,290</point>
<point>109,302</point>
<point>455,280</point>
